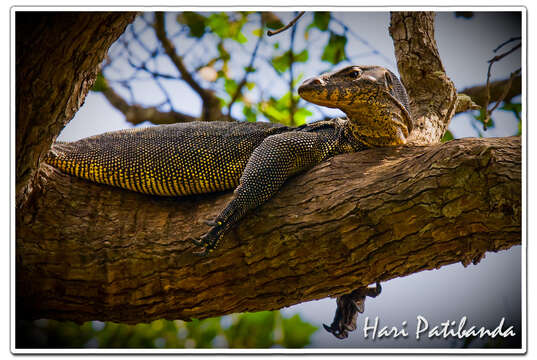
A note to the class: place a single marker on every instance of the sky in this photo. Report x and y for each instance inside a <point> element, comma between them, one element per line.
<point>484,293</point>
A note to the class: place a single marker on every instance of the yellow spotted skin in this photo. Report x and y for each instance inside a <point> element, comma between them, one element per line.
<point>167,160</point>
<point>255,159</point>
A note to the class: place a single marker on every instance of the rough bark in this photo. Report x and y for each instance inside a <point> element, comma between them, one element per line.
<point>57,60</point>
<point>86,251</point>
<point>432,94</point>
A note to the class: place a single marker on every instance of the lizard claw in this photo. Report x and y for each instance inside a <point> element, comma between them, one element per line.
<point>340,334</point>
<point>209,241</point>
<point>197,242</point>
<point>210,222</point>
<point>202,253</point>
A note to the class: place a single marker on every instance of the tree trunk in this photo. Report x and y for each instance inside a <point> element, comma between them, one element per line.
<point>432,94</point>
<point>87,251</point>
<point>57,60</point>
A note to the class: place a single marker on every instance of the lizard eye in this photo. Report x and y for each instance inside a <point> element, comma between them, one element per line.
<point>355,74</point>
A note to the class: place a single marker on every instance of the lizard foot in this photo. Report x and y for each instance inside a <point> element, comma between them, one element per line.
<point>210,240</point>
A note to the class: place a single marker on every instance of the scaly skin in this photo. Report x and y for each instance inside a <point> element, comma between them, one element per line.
<point>254,158</point>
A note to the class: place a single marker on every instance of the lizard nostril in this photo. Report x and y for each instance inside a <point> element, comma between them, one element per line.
<point>310,84</point>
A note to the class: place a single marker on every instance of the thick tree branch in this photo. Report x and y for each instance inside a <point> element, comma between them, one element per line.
<point>87,251</point>
<point>47,98</point>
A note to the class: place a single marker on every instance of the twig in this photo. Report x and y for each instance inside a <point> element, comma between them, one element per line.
<point>176,59</point>
<point>506,89</point>
<point>135,114</point>
<point>292,107</point>
<point>507,42</point>
<point>245,78</point>
<point>507,86</point>
<point>210,103</point>
<point>270,32</point>
<point>346,29</point>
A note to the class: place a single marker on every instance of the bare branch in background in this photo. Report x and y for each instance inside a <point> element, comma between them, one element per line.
<point>508,84</point>
<point>496,88</point>
<point>211,104</point>
<point>136,114</point>
<point>271,33</point>
<point>507,42</point>
<point>240,86</point>
<point>292,106</point>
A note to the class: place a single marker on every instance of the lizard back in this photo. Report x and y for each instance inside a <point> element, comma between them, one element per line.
<point>170,160</point>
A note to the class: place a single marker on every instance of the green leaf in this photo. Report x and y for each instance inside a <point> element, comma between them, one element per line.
<point>257,32</point>
<point>249,113</point>
<point>219,24</point>
<point>230,86</point>
<point>301,115</point>
<point>481,118</point>
<point>252,330</point>
<point>240,38</point>
<point>301,57</point>
<point>298,79</point>
<point>321,20</point>
<point>447,136</point>
<point>225,26</point>
<point>194,21</point>
<point>514,107</point>
<point>296,333</point>
<point>334,51</point>
<point>281,63</point>
<point>100,83</point>
<point>250,69</point>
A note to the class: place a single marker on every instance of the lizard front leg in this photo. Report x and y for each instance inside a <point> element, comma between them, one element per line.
<point>271,163</point>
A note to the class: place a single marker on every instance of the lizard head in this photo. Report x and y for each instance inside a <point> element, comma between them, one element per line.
<point>373,98</point>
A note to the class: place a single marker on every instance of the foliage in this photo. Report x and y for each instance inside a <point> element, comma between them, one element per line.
<point>249,330</point>
<point>447,136</point>
<point>227,53</point>
<point>100,83</point>
<point>334,51</point>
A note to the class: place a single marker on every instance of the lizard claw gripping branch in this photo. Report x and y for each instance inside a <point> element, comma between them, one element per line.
<point>255,159</point>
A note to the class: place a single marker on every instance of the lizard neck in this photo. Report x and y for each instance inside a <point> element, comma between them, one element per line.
<point>376,126</point>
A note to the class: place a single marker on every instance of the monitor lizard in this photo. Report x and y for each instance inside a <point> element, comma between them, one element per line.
<point>255,159</point>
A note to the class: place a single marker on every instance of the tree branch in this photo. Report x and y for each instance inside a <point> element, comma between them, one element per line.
<point>87,251</point>
<point>136,114</point>
<point>46,99</point>
<point>291,23</point>
<point>433,96</point>
<point>211,104</point>
<point>479,93</point>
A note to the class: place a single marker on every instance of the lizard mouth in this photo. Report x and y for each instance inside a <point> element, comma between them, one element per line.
<point>311,90</point>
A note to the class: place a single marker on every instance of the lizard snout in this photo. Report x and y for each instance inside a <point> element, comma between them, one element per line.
<point>313,83</point>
